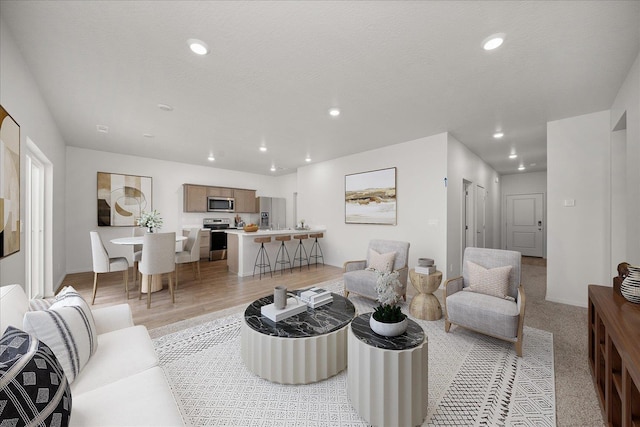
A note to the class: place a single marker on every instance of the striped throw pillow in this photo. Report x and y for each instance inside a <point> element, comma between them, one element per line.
<point>33,387</point>
<point>67,327</point>
<point>494,281</point>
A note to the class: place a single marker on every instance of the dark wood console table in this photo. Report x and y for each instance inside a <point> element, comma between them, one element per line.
<point>614,355</point>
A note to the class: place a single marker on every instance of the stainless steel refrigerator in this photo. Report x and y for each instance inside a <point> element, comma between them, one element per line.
<point>272,212</point>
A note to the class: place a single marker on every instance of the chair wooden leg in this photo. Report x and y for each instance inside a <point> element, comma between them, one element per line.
<point>126,282</point>
<point>176,276</point>
<point>140,287</point>
<point>198,267</point>
<point>518,345</point>
<point>447,325</point>
<point>149,280</point>
<point>95,287</point>
<point>346,293</point>
<point>173,291</point>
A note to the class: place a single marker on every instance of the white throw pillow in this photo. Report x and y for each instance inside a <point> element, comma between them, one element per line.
<point>67,328</point>
<point>381,262</point>
<point>494,281</point>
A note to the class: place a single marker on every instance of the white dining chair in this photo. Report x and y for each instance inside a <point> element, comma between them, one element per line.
<point>136,255</point>
<point>158,258</point>
<point>190,254</point>
<point>103,264</point>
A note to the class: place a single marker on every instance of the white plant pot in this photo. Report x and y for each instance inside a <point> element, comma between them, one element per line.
<point>388,329</point>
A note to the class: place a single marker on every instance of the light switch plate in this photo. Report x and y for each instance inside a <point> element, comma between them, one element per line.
<point>569,203</point>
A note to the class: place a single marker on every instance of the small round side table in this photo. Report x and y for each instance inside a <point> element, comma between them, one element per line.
<point>425,305</point>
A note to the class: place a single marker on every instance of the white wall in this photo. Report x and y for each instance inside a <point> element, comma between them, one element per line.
<point>20,96</point>
<point>168,177</point>
<point>421,209</point>
<point>465,165</point>
<point>628,101</point>
<point>578,237</point>
<point>524,183</point>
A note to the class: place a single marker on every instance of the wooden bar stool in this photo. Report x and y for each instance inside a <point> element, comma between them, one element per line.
<point>301,249</point>
<point>316,250</point>
<point>280,256</point>
<point>261,262</point>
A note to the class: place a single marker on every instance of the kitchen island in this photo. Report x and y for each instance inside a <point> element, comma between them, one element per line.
<point>242,250</point>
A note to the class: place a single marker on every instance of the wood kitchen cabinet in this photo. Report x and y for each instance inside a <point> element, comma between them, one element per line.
<point>195,198</point>
<point>245,200</point>
<point>219,192</point>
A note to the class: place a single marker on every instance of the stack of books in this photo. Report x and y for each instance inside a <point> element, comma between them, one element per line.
<point>425,266</point>
<point>292,308</point>
<point>316,297</point>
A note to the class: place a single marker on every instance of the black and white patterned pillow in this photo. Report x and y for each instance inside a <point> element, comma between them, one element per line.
<point>33,387</point>
<point>67,327</point>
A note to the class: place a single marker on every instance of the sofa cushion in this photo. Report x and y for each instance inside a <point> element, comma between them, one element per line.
<point>67,327</point>
<point>493,281</point>
<point>381,262</point>
<point>122,353</point>
<point>14,304</point>
<point>143,399</point>
<point>33,386</point>
<point>484,313</point>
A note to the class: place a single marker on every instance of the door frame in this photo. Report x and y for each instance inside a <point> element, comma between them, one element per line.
<point>544,219</point>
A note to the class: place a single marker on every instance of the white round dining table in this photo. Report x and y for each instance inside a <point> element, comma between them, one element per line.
<point>156,280</point>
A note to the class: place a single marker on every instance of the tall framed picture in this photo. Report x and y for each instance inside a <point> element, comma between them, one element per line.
<point>9,184</point>
<point>370,197</point>
<point>122,198</point>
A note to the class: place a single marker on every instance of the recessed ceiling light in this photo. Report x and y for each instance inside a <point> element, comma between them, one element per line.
<point>498,135</point>
<point>198,46</point>
<point>532,164</point>
<point>102,128</point>
<point>334,112</point>
<point>211,158</point>
<point>165,107</point>
<point>273,169</point>
<point>147,135</point>
<point>493,41</point>
<point>513,156</point>
<point>308,159</point>
<point>521,168</point>
<point>263,148</point>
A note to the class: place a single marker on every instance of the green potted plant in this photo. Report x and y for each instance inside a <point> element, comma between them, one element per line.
<point>150,220</point>
<point>387,318</point>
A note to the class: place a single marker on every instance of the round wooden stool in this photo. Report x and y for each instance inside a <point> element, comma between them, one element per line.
<point>262,259</point>
<point>301,249</point>
<point>280,256</point>
<point>316,250</point>
<point>425,305</point>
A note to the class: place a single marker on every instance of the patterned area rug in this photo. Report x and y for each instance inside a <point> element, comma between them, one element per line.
<point>474,380</point>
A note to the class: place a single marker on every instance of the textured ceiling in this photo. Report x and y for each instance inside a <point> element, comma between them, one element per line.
<point>397,70</point>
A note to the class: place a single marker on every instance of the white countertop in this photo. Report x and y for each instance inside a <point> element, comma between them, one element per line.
<point>241,232</point>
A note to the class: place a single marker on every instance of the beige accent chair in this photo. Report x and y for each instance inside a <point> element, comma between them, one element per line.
<point>190,254</point>
<point>103,264</point>
<point>158,258</point>
<point>490,315</point>
<point>359,280</point>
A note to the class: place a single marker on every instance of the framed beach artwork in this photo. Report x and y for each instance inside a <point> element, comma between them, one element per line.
<point>9,184</point>
<point>370,197</point>
<point>122,199</point>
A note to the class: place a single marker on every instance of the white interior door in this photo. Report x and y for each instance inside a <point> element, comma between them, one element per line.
<point>524,224</point>
<point>467,215</point>
<point>481,199</point>
<point>35,227</point>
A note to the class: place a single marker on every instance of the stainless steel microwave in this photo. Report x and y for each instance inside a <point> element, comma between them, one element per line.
<point>221,204</point>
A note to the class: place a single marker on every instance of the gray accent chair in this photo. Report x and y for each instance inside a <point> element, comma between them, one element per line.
<point>363,282</point>
<point>497,317</point>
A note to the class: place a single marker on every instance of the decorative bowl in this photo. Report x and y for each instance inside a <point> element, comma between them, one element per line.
<point>250,228</point>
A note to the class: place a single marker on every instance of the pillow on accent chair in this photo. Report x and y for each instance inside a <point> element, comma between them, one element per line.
<point>494,282</point>
<point>67,327</point>
<point>33,386</point>
<point>381,262</point>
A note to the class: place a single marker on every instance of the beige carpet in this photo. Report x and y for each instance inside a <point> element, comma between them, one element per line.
<point>576,400</point>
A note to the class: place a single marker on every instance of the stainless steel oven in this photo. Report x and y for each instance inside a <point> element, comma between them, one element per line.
<point>221,204</point>
<point>218,246</point>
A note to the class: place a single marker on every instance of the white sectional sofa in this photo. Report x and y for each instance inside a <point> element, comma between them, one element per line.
<point>122,384</point>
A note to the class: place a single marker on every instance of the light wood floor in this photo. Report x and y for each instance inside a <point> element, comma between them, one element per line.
<point>217,290</point>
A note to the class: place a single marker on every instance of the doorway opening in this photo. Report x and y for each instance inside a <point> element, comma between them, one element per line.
<point>619,195</point>
<point>39,219</point>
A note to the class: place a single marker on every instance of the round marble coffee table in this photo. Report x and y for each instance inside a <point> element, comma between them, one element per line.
<point>302,349</point>
<point>387,379</point>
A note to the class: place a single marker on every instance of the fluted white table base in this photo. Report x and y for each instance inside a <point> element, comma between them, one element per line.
<point>294,360</point>
<point>388,387</point>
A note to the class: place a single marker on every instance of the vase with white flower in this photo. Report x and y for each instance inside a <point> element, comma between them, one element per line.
<point>150,220</point>
<point>387,318</point>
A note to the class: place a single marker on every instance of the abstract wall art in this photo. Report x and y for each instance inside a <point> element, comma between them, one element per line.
<point>9,184</point>
<point>122,198</point>
<point>370,197</point>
